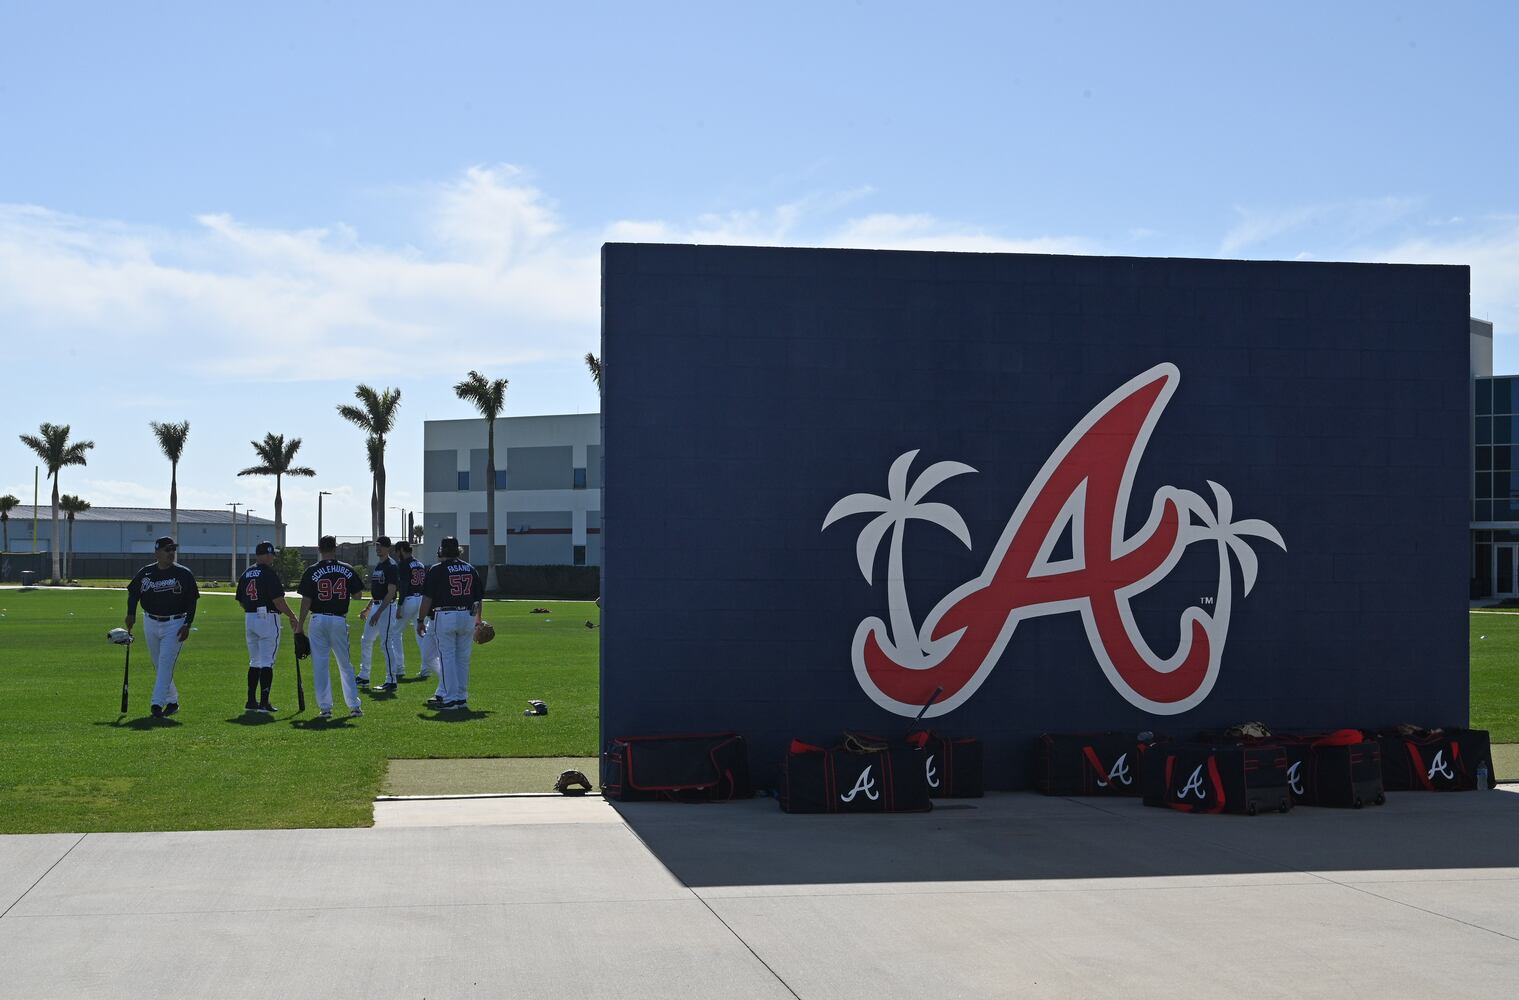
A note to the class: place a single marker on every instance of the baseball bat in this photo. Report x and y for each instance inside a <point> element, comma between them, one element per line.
<point>300,688</point>
<point>126,673</point>
<point>922,711</point>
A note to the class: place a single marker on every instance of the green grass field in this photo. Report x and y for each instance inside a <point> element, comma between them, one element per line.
<point>69,762</point>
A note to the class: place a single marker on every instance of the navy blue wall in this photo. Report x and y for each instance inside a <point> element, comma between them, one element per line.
<point>750,389</point>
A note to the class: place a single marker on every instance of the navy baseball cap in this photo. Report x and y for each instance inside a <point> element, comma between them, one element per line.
<point>164,542</point>
<point>264,549</point>
<point>383,540</point>
<point>448,546</point>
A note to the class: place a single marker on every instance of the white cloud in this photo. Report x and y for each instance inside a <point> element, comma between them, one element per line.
<point>1344,221</point>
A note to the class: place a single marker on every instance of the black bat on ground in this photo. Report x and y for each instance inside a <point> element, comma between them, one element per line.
<point>126,673</point>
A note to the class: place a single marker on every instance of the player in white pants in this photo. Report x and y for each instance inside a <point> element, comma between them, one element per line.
<point>413,574</point>
<point>168,594</point>
<point>261,593</point>
<point>380,618</point>
<point>326,589</point>
<point>451,595</point>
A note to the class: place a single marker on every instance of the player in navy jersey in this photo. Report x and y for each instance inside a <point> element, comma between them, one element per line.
<point>168,594</point>
<point>413,573</point>
<point>380,617</point>
<point>261,592</point>
<point>326,589</point>
<point>451,595</point>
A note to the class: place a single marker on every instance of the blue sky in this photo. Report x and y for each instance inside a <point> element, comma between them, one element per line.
<point>232,215</point>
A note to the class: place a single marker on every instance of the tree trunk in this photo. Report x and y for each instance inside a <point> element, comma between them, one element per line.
<point>56,541</point>
<point>379,486</point>
<point>174,500</point>
<point>68,567</point>
<point>5,522</point>
<point>490,506</point>
<point>279,515</point>
<point>374,509</point>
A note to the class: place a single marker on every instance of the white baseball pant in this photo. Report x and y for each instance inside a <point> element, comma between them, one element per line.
<point>406,621</point>
<point>163,650</point>
<point>455,638</point>
<point>261,630</point>
<point>389,637</point>
<point>329,636</point>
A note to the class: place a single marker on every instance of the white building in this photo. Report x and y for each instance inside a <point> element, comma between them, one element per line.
<point>548,488</point>
<point>132,530</point>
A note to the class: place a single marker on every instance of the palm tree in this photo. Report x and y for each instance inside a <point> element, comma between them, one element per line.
<point>900,505</point>
<point>7,504</point>
<point>488,396</point>
<point>375,453</point>
<point>594,364</point>
<point>56,451</point>
<point>275,455</point>
<point>171,438</point>
<point>71,505</point>
<point>375,415</point>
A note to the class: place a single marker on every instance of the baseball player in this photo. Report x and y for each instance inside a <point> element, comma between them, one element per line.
<point>261,592</point>
<point>451,594</point>
<point>413,574</point>
<point>326,588</point>
<point>168,594</point>
<point>380,617</point>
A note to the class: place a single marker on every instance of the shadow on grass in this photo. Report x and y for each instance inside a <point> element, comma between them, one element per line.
<point>251,719</point>
<point>317,725</point>
<point>142,723</point>
<point>456,715</point>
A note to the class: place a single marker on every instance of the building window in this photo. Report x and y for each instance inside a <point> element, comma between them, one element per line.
<point>500,479</point>
<point>579,555</point>
<point>464,481</point>
<point>579,479</point>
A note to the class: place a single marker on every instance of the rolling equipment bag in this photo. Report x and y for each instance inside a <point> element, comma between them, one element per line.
<point>844,780</point>
<point>712,767</point>
<point>1091,763</point>
<point>1195,777</point>
<point>1435,760</point>
<point>952,765</point>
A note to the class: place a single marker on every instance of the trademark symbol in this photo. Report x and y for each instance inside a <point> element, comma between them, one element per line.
<point>1206,602</point>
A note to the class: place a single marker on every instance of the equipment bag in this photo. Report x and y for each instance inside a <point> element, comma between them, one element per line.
<point>1090,763</point>
<point>835,780</point>
<point>952,765</point>
<point>712,767</point>
<point>1435,761</point>
<point>1193,777</point>
<point>1339,775</point>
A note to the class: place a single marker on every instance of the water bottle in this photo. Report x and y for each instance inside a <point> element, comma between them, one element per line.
<point>1482,776</point>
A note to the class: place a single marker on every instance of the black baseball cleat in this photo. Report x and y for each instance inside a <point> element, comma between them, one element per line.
<point>459,705</point>
<point>157,710</point>
<point>389,686</point>
<point>251,706</point>
<point>361,681</point>
<point>325,714</point>
<point>171,708</point>
<point>434,702</point>
<point>267,708</point>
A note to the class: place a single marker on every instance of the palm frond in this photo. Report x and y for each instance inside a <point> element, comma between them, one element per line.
<point>171,437</point>
<point>593,364</point>
<point>300,470</point>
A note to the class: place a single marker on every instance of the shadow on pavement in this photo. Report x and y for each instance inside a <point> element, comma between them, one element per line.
<point>1020,835</point>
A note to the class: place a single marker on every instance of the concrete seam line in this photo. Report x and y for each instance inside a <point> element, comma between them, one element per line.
<point>44,875</point>
<point>1434,913</point>
<point>698,897</point>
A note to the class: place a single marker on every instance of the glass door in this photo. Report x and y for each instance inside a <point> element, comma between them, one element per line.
<point>1505,566</point>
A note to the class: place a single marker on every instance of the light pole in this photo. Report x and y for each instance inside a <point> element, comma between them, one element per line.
<point>319,495</point>
<point>403,520</point>
<point>233,577</point>
<point>247,524</point>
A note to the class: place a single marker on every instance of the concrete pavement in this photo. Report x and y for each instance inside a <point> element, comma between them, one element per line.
<point>1013,895</point>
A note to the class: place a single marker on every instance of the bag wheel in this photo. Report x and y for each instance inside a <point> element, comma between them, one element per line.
<point>1380,799</point>
<point>1357,803</point>
<point>1286,804</point>
<point>1250,809</point>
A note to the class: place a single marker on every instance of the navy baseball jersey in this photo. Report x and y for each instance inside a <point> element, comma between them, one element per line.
<point>452,584</point>
<point>329,585</point>
<point>413,575</point>
<point>385,573</point>
<point>259,587</point>
<point>163,592</point>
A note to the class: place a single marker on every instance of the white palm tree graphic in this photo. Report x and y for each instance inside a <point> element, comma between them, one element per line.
<point>1230,534</point>
<point>900,505</point>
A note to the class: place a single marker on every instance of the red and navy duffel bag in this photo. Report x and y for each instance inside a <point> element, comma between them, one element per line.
<point>1090,763</point>
<point>952,765</point>
<point>1199,778</point>
<point>1435,760</point>
<point>710,767</point>
<point>839,779</point>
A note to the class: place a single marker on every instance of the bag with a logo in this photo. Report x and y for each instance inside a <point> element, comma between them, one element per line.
<point>1195,777</point>
<point>1435,760</point>
<point>711,767</point>
<point>952,765</point>
<point>842,780</point>
<point>1090,763</point>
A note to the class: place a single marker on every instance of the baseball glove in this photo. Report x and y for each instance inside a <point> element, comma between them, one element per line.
<point>568,780</point>
<point>302,645</point>
<point>119,636</point>
<point>484,632</point>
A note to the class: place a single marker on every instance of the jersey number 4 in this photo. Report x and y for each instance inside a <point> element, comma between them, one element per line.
<point>251,591</point>
<point>331,589</point>
<point>459,584</point>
